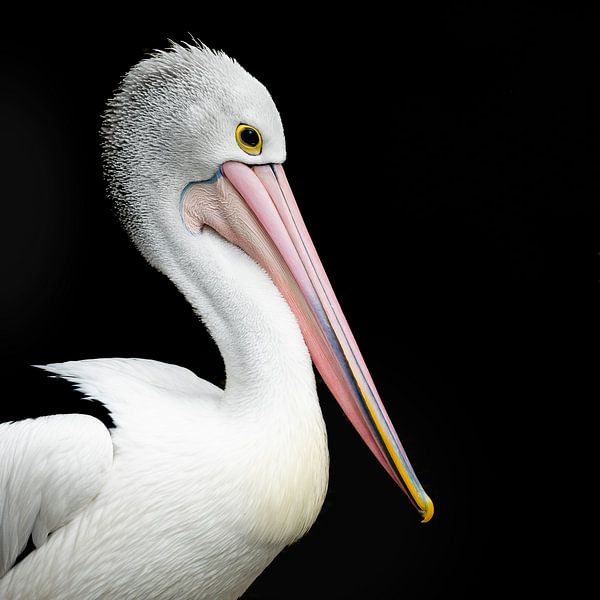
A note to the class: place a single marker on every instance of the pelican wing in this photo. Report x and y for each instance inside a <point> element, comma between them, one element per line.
<point>50,469</point>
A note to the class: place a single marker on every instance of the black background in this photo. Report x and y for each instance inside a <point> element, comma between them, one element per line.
<point>446,165</point>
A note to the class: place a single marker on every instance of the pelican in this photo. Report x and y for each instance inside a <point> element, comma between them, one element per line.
<point>196,489</point>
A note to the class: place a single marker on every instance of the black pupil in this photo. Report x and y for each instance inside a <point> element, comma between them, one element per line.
<point>249,137</point>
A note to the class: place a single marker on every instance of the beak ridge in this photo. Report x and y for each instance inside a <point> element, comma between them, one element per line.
<point>287,253</point>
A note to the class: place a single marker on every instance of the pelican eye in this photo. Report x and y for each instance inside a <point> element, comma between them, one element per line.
<point>248,139</point>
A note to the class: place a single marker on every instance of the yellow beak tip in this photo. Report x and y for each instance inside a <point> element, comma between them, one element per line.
<point>427,512</point>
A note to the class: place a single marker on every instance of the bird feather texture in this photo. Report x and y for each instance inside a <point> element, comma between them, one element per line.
<point>206,485</point>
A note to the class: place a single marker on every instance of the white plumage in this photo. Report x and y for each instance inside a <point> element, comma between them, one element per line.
<point>207,486</point>
<point>50,469</point>
<point>196,489</point>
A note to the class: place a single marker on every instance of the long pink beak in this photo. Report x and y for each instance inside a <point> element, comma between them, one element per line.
<point>254,208</point>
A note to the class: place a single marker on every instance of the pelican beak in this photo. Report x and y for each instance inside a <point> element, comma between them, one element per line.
<point>254,208</point>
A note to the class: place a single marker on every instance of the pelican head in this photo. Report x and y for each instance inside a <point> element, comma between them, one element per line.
<point>194,146</point>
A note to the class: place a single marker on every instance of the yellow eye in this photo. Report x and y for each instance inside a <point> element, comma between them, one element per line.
<point>248,139</point>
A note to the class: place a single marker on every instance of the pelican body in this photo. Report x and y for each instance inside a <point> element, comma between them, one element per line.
<point>197,488</point>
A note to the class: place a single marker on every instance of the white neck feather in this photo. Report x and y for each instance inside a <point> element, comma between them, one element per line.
<point>270,383</point>
<point>257,334</point>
